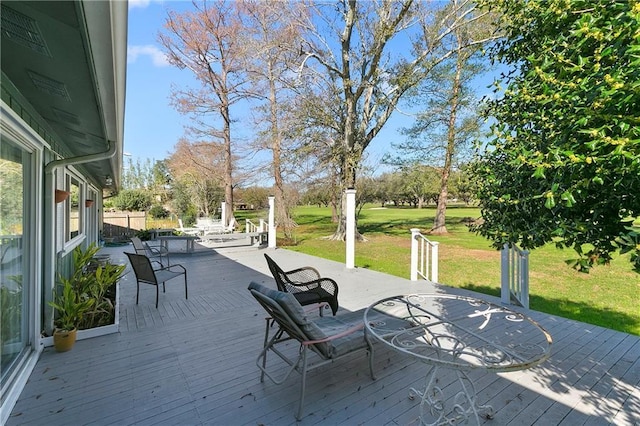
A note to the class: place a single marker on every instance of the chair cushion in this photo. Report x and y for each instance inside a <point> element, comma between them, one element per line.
<point>292,307</point>
<point>332,325</point>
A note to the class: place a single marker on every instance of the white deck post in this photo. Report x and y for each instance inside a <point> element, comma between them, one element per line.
<point>434,261</point>
<point>505,291</point>
<point>272,224</point>
<point>524,278</point>
<point>261,228</point>
<point>351,228</point>
<point>414,253</point>
<point>223,214</point>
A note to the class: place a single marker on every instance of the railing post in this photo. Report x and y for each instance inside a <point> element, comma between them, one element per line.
<point>415,232</point>
<point>272,225</point>
<point>351,228</point>
<point>247,224</point>
<point>505,291</point>
<point>434,261</point>
<point>223,214</point>
<point>524,278</point>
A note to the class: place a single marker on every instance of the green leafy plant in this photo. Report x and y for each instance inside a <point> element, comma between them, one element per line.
<point>564,166</point>
<point>102,292</point>
<point>86,297</point>
<point>143,234</point>
<point>70,306</point>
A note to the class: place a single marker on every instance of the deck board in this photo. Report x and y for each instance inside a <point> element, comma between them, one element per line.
<point>193,362</point>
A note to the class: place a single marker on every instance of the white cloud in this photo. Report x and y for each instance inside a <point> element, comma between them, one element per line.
<point>138,3</point>
<point>158,58</point>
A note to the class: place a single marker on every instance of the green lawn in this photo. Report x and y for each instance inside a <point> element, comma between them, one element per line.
<point>608,296</point>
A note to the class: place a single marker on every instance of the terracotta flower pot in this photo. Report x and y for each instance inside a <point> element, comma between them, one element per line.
<point>63,340</point>
<point>88,203</point>
<point>60,195</point>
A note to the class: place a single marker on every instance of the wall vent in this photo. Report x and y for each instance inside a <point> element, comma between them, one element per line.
<point>22,30</point>
<point>50,86</point>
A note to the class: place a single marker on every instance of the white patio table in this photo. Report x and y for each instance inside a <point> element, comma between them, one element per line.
<point>462,334</point>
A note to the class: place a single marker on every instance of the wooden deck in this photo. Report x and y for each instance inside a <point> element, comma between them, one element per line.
<point>193,362</point>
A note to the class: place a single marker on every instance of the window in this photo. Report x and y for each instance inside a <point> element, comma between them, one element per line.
<point>74,215</point>
<point>15,187</point>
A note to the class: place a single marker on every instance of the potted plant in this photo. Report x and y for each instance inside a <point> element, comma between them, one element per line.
<point>70,307</point>
<point>87,298</point>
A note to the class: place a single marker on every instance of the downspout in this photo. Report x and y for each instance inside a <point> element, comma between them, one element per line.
<point>110,152</point>
<point>49,266</point>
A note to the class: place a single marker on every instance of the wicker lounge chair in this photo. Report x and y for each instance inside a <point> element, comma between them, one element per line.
<point>306,285</point>
<point>329,338</point>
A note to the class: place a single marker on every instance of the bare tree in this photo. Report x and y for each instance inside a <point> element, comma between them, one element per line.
<point>207,42</point>
<point>272,56</point>
<point>355,45</point>
<point>199,168</point>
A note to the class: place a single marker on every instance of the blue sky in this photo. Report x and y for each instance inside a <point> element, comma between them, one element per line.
<point>152,126</point>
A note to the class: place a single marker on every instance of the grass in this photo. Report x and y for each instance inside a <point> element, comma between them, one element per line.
<point>608,296</point>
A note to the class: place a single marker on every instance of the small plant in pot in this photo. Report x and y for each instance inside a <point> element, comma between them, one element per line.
<point>70,307</point>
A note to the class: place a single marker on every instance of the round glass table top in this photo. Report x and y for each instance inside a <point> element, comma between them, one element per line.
<point>460,332</point>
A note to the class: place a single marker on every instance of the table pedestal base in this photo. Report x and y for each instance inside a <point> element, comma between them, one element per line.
<point>433,404</point>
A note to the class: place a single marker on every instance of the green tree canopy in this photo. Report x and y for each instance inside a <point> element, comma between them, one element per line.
<point>563,164</point>
<point>133,200</point>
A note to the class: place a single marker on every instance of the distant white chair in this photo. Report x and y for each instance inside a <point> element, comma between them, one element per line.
<point>187,231</point>
<point>215,227</point>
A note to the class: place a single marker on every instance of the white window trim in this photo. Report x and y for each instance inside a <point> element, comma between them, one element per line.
<point>14,128</point>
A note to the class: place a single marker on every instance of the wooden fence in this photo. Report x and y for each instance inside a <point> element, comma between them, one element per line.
<point>123,225</point>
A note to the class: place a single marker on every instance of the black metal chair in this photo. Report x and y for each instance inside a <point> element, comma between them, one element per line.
<point>146,274</point>
<point>306,285</point>
<point>150,252</point>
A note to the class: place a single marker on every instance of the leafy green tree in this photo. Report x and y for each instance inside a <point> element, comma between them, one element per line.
<point>256,197</point>
<point>462,184</point>
<point>159,212</point>
<point>450,117</point>
<point>133,200</point>
<point>563,165</point>
<point>421,184</point>
<point>11,197</point>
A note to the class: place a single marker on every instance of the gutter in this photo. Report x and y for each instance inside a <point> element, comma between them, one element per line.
<point>110,152</point>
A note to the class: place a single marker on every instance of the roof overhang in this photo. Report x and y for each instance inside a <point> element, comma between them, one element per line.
<point>67,59</point>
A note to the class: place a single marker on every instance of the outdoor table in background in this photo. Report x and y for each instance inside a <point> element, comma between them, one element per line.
<point>189,239</point>
<point>462,334</point>
<point>155,233</point>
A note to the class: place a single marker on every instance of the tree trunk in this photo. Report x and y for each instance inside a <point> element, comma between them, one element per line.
<point>439,223</point>
<point>283,216</point>
<point>228,165</point>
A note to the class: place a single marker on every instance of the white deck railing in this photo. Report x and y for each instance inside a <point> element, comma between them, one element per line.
<point>251,227</point>
<point>424,257</point>
<point>514,275</point>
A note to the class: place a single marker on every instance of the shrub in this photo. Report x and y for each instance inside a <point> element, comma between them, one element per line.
<point>159,212</point>
<point>133,200</point>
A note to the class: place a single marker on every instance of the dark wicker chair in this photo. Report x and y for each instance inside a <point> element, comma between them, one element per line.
<point>306,285</point>
<point>146,274</point>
